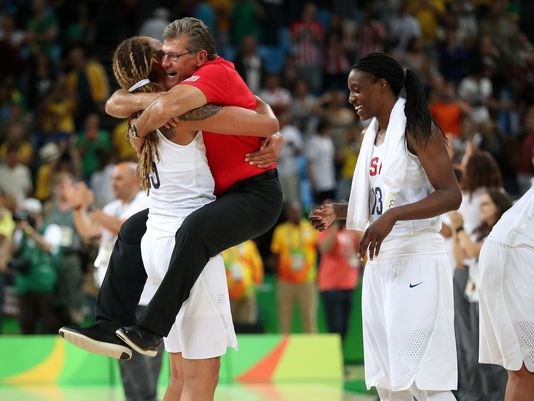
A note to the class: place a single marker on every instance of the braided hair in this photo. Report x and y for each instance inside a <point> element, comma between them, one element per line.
<point>419,122</point>
<point>133,61</point>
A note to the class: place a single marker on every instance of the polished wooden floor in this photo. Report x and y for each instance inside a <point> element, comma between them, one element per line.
<point>256,392</point>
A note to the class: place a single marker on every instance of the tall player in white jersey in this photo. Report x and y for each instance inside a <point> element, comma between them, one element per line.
<point>506,282</point>
<point>179,183</point>
<point>402,183</point>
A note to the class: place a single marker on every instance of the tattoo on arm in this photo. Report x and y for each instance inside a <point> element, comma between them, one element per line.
<point>198,114</point>
<point>201,113</point>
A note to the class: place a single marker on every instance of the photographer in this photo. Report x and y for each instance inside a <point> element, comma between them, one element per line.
<point>36,248</point>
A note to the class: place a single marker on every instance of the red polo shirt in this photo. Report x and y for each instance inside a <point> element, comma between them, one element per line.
<point>222,85</point>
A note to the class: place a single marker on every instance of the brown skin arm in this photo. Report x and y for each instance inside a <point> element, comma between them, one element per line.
<point>268,152</point>
<point>323,216</point>
<point>123,104</point>
<point>447,196</point>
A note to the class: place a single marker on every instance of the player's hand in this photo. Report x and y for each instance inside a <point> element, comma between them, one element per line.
<point>456,219</point>
<point>322,217</point>
<point>268,152</point>
<point>172,123</point>
<point>375,234</point>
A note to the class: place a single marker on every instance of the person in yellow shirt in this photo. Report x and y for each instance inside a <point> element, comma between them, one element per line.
<point>244,271</point>
<point>16,136</point>
<point>125,151</point>
<point>294,249</point>
<point>88,81</point>
<point>7,227</point>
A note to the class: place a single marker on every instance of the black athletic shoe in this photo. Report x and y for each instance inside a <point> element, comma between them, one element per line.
<point>140,339</point>
<point>98,338</point>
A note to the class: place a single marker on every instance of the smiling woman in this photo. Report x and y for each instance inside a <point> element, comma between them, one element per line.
<point>402,183</point>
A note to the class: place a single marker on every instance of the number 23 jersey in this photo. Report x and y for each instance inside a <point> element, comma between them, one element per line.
<point>416,187</point>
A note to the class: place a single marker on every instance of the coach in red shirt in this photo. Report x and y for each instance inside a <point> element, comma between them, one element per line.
<point>249,198</point>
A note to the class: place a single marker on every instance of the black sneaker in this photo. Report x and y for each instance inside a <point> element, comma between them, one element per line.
<point>140,339</point>
<point>98,338</point>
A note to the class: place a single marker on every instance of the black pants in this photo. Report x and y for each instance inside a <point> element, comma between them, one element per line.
<point>246,211</point>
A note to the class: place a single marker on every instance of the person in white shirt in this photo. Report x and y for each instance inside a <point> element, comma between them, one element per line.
<point>15,177</point>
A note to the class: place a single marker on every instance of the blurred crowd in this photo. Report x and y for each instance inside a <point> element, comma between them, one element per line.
<point>475,59</point>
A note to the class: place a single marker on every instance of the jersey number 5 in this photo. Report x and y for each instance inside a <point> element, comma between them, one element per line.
<point>154,177</point>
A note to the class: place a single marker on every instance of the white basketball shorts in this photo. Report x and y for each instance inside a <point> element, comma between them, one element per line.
<point>506,305</point>
<point>408,322</point>
<point>203,327</point>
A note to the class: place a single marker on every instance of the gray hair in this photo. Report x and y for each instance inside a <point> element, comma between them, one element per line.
<point>200,37</point>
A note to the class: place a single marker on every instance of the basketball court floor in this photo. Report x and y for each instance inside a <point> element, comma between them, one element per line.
<point>225,392</point>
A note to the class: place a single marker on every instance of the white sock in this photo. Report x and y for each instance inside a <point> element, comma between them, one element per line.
<point>424,395</point>
<point>388,395</point>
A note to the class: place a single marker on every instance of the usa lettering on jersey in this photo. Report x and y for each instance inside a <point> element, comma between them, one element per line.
<point>376,166</point>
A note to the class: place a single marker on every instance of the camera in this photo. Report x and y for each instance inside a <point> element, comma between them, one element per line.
<point>20,264</point>
<point>24,215</point>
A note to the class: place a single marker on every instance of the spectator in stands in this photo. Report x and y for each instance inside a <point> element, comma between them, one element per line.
<point>274,94</point>
<point>321,164</point>
<point>336,62</point>
<point>287,163</point>
<point>42,29</point>
<point>58,211</point>
<point>15,177</point>
<point>88,81</point>
<point>453,58</point>
<point>476,89</point>
<point>154,26</point>
<point>244,272</point>
<point>347,158</point>
<point>339,272</point>
<point>303,107</point>
<point>308,36</point>
<point>35,265</point>
<point>11,39</point>
<point>246,16</point>
<point>294,259</point>
<point>7,227</point>
<point>16,136</point>
<point>249,64</point>
<point>403,28</point>
<point>447,110</point>
<point>91,141</point>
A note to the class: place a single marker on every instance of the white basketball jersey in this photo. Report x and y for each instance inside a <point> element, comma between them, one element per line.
<point>424,232</point>
<point>516,225</point>
<point>181,183</point>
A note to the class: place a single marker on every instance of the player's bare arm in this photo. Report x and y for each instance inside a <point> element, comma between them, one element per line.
<point>177,101</point>
<point>446,196</point>
<point>123,104</point>
<point>437,165</point>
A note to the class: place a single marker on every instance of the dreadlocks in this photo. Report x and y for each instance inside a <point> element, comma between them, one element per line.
<point>419,122</point>
<point>132,61</point>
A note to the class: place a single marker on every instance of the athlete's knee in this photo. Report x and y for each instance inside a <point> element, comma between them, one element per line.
<point>133,229</point>
<point>522,374</point>
<point>192,232</point>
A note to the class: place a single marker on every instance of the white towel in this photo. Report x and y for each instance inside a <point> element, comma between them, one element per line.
<point>394,162</point>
